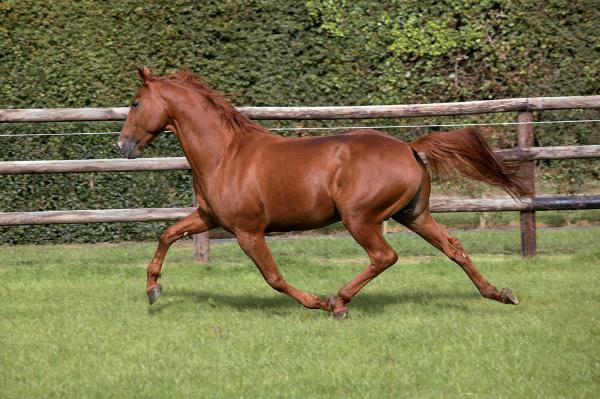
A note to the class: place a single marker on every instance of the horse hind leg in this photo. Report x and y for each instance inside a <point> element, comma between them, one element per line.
<point>381,256</point>
<point>425,226</point>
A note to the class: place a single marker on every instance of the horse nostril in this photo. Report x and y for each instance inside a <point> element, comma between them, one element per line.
<point>127,147</point>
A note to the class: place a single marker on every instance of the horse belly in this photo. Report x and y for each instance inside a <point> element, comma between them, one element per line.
<point>303,205</point>
<point>301,225</point>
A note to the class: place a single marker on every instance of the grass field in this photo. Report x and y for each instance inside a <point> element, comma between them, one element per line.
<point>74,322</point>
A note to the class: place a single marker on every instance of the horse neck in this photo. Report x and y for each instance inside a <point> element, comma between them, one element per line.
<point>203,136</point>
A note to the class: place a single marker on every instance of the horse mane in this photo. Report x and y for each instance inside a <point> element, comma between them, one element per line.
<point>228,114</point>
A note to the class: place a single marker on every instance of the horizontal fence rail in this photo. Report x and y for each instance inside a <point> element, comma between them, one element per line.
<point>180,163</point>
<point>541,203</point>
<point>322,113</point>
<point>93,165</point>
<point>557,152</point>
<point>94,216</point>
<point>438,205</point>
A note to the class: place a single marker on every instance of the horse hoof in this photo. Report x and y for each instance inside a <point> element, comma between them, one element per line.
<point>331,302</point>
<point>154,293</point>
<point>508,297</point>
<point>340,314</point>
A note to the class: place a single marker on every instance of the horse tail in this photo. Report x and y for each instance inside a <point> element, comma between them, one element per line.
<point>465,152</point>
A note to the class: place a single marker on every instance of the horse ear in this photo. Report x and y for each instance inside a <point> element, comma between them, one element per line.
<point>145,74</point>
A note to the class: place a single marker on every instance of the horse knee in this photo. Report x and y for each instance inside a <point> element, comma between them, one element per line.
<point>384,259</point>
<point>165,238</point>
<point>169,236</point>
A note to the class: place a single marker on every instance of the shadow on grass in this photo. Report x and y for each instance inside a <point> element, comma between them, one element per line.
<point>372,303</point>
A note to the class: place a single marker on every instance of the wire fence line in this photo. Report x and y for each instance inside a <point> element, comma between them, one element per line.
<point>334,128</point>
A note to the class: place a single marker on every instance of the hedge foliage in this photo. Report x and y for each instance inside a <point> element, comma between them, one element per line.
<point>320,52</point>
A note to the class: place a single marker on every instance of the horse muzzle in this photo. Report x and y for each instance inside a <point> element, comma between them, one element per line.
<point>129,148</point>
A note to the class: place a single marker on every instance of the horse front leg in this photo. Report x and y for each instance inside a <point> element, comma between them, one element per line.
<point>196,222</point>
<point>255,246</point>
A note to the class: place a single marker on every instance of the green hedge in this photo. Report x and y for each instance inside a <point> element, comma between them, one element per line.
<point>79,54</point>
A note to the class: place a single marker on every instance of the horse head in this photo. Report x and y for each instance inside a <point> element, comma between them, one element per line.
<point>147,117</point>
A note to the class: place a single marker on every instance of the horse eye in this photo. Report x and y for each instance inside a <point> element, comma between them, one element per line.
<point>135,104</point>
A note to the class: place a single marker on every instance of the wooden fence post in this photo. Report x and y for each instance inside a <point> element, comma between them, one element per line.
<point>201,242</point>
<point>527,173</point>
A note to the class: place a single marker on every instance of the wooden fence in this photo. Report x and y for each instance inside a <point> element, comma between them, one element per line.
<point>525,152</point>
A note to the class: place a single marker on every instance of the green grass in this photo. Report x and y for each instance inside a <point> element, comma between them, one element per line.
<point>74,322</point>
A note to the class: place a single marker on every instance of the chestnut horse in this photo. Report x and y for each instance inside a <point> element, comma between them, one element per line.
<point>251,182</point>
